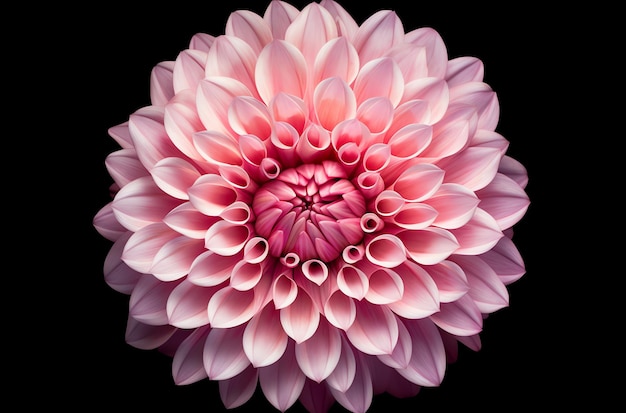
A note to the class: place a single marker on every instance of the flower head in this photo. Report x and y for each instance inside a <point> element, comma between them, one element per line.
<point>314,206</point>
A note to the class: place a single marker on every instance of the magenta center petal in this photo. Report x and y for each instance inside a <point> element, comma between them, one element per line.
<point>304,211</point>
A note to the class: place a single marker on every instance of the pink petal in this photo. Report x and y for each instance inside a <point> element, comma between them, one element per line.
<point>419,182</point>
<point>238,178</point>
<point>149,136</point>
<point>161,83</point>
<point>420,298</point>
<point>431,90</point>
<point>378,34</point>
<point>315,270</point>
<point>455,205</point>
<point>124,166</point>
<point>343,375</point>
<point>174,258</point>
<point>334,102</point>
<point>340,310</point>
<point>318,356</point>
<point>245,275</point>
<point>376,113</point>
<point>285,137</point>
<point>505,260</point>
<point>436,52</point>
<point>474,167</point>
<point>301,318</point>
<point>486,289</point>
<point>143,245</point>
<point>504,200</point>
<point>451,134</point>
<point>410,115</point>
<point>174,176</point>
<point>147,303</point>
<point>284,290</point>
<point>217,148</point>
<point>232,57</point>
<point>229,307</point>
<point>279,15</point>
<point>289,109</point>
<point>188,221</point>
<point>337,58</point>
<point>411,59</point>
<point>211,269</point>
<point>428,358</point>
<point>247,115</point>
<point>223,354</point>
<point>385,286</point>
<point>117,274</point>
<point>352,282</point>
<point>415,216</point>
<point>121,134</point>
<point>187,305</point>
<point>386,250</point>
<point>187,366</point>
<point>291,79</point>
<point>483,98</point>
<point>264,340</point>
<point>345,22</point>
<point>214,96</point>
<point>211,194</point>
<point>313,144</point>
<point>147,337</point>
<point>401,355</point>
<point>226,239</point>
<point>283,381</point>
<point>429,246</point>
<point>249,27</point>
<point>514,170</point>
<point>450,279</point>
<point>316,398</point>
<point>461,317</point>
<point>237,390</point>
<point>388,203</point>
<point>375,329</point>
<point>464,69</point>
<point>181,121</point>
<point>188,69</point>
<point>201,41</point>
<point>107,225</point>
<point>310,30</point>
<point>479,235</point>
<point>376,157</point>
<point>357,398</point>
<point>379,78</point>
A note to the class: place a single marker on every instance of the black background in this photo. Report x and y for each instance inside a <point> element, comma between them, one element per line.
<point>540,352</point>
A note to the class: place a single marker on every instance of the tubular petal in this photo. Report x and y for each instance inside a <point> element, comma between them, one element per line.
<point>375,329</point>
<point>318,356</point>
<point>211,194</point>
<point>223,355</point>
<point>283,381</point>
<point>385,286</point>
<point>237,390</point>
<point>227,239</point>
<point>340,310</point>
<point>386,250</point>
<point>246,275</point>
<point>187,364</point>
<point>352,282</point>
<point>284,290</point>
<point>187,305</point>
<point>264,340</point>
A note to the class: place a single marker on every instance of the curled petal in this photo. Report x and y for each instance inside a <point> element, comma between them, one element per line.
<point>249,27</point>
<point>213,98</point>
<point>188,221</point>
<point>376,113</point>
<point>318,356</point>
<point>232,57</point>
<point>255,250</point>
<point>174,176</point>
<point>378,34</point>
<point>227,239</point>
<point>376,157</point>
<point>291,79</point>
<point>301,318</point>
<point>313,144</point>
<point>187,365</point>
<point>237,213</point>
<point>217,148</point>
<point>246,275</point>
<point>385,286</point>
<point>315,270</point>
<point>388,203</point>
<point>187,305</point>
<point>334,102</point>
<point>237,390</point>
<point>340,310</point>
<point>147,337</point>
<point>284,291</point>
<point>415,216</point>
<point>211,194</point>
<point>223,354</point>
<point>283,381</point>
<point>429,245</point>
<point>409,141</point>
<point>419,182</point>
<point>161,83</point>
<point>371,184</point>
<point>386,250</point>
<point>375,329</point>
<point>352,282</point>
<point>264,340</point>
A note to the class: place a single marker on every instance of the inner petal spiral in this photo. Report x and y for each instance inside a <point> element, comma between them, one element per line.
<point>312,211</point>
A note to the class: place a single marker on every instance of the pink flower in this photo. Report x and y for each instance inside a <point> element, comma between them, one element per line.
<point>313,206</point>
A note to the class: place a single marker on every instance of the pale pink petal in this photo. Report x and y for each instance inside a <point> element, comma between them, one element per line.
<point>147,337</point>
<point>376,113</point>
<point>285,137</point>
<point>340,310</point>
<point>411,59</point>
<point>436,52</point>
<point>232,57</point>
<point>379,78</point>
<point>149,136</point>
<point>107,224</point>
<point>420,298</point>
<point>371,184</point>
<point>229,307</point>
<point>345,22</point>
<point>343,375</point>
<point>429,245</point>
<point>283,381</point>
<point>318,356</point>
<point>314,144</point>
<point>415,216</point>
<point>210,269</point>
<point>147,303</point>
<point>175,176</point>
<point>386,250</point>
<point>217,148</point>
<point>409,141</point>
<point>486,289</point>
<point>211,194</point>
<point>223,354</point>
<point>188,69</point>
<point>289,109</point>
<point>334,102</point>
<point>460,317</point>
<point>247,115</point>
<point>124,166</point>
<point>514,170</point>
<point>301,318</point>
<point>238,178</point>
<point>181,121</point>
<point>401,355</point>
<point>464,69</point>
<point>264,340</point>
<point>173,260</point>
<point>187,220</point>
<point>143,245</point>
<point>450,279</point>
<point>452,133</point>
<point>237,390</point>
<point>388,203</point>
<point>378,34</point>
<point>337,58</point>
<point>187,305</point>
<point>432,91</point>
<point>358,397</point>
<point>161,83</point>
<point>504,200</point>
<point>428,358</point>
<point>214,96</point>
<point>117,274</point>
<point>227,239</point>
<point>483,98</point>
<point>455,205</point>
<point>201,41</point>
<point>352,282</point>
<point>419,182</point>
<point>479,235</point>
<point>376,157</point>
<point>505,259</point>
<point>310,30</point>
<point>491,139</point>
<point>121,134</point>
<point>279,15</point>
<point>316,397</point>
<point>385,286</point>
<point>292,79</point>
<point>375,329</point>
<point>187,366</point>
<point>249,27</point>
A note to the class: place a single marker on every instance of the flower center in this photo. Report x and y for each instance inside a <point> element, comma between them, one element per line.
<point>312,211</point>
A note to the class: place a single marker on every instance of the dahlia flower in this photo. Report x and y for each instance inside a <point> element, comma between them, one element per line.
<point>314,206</point>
